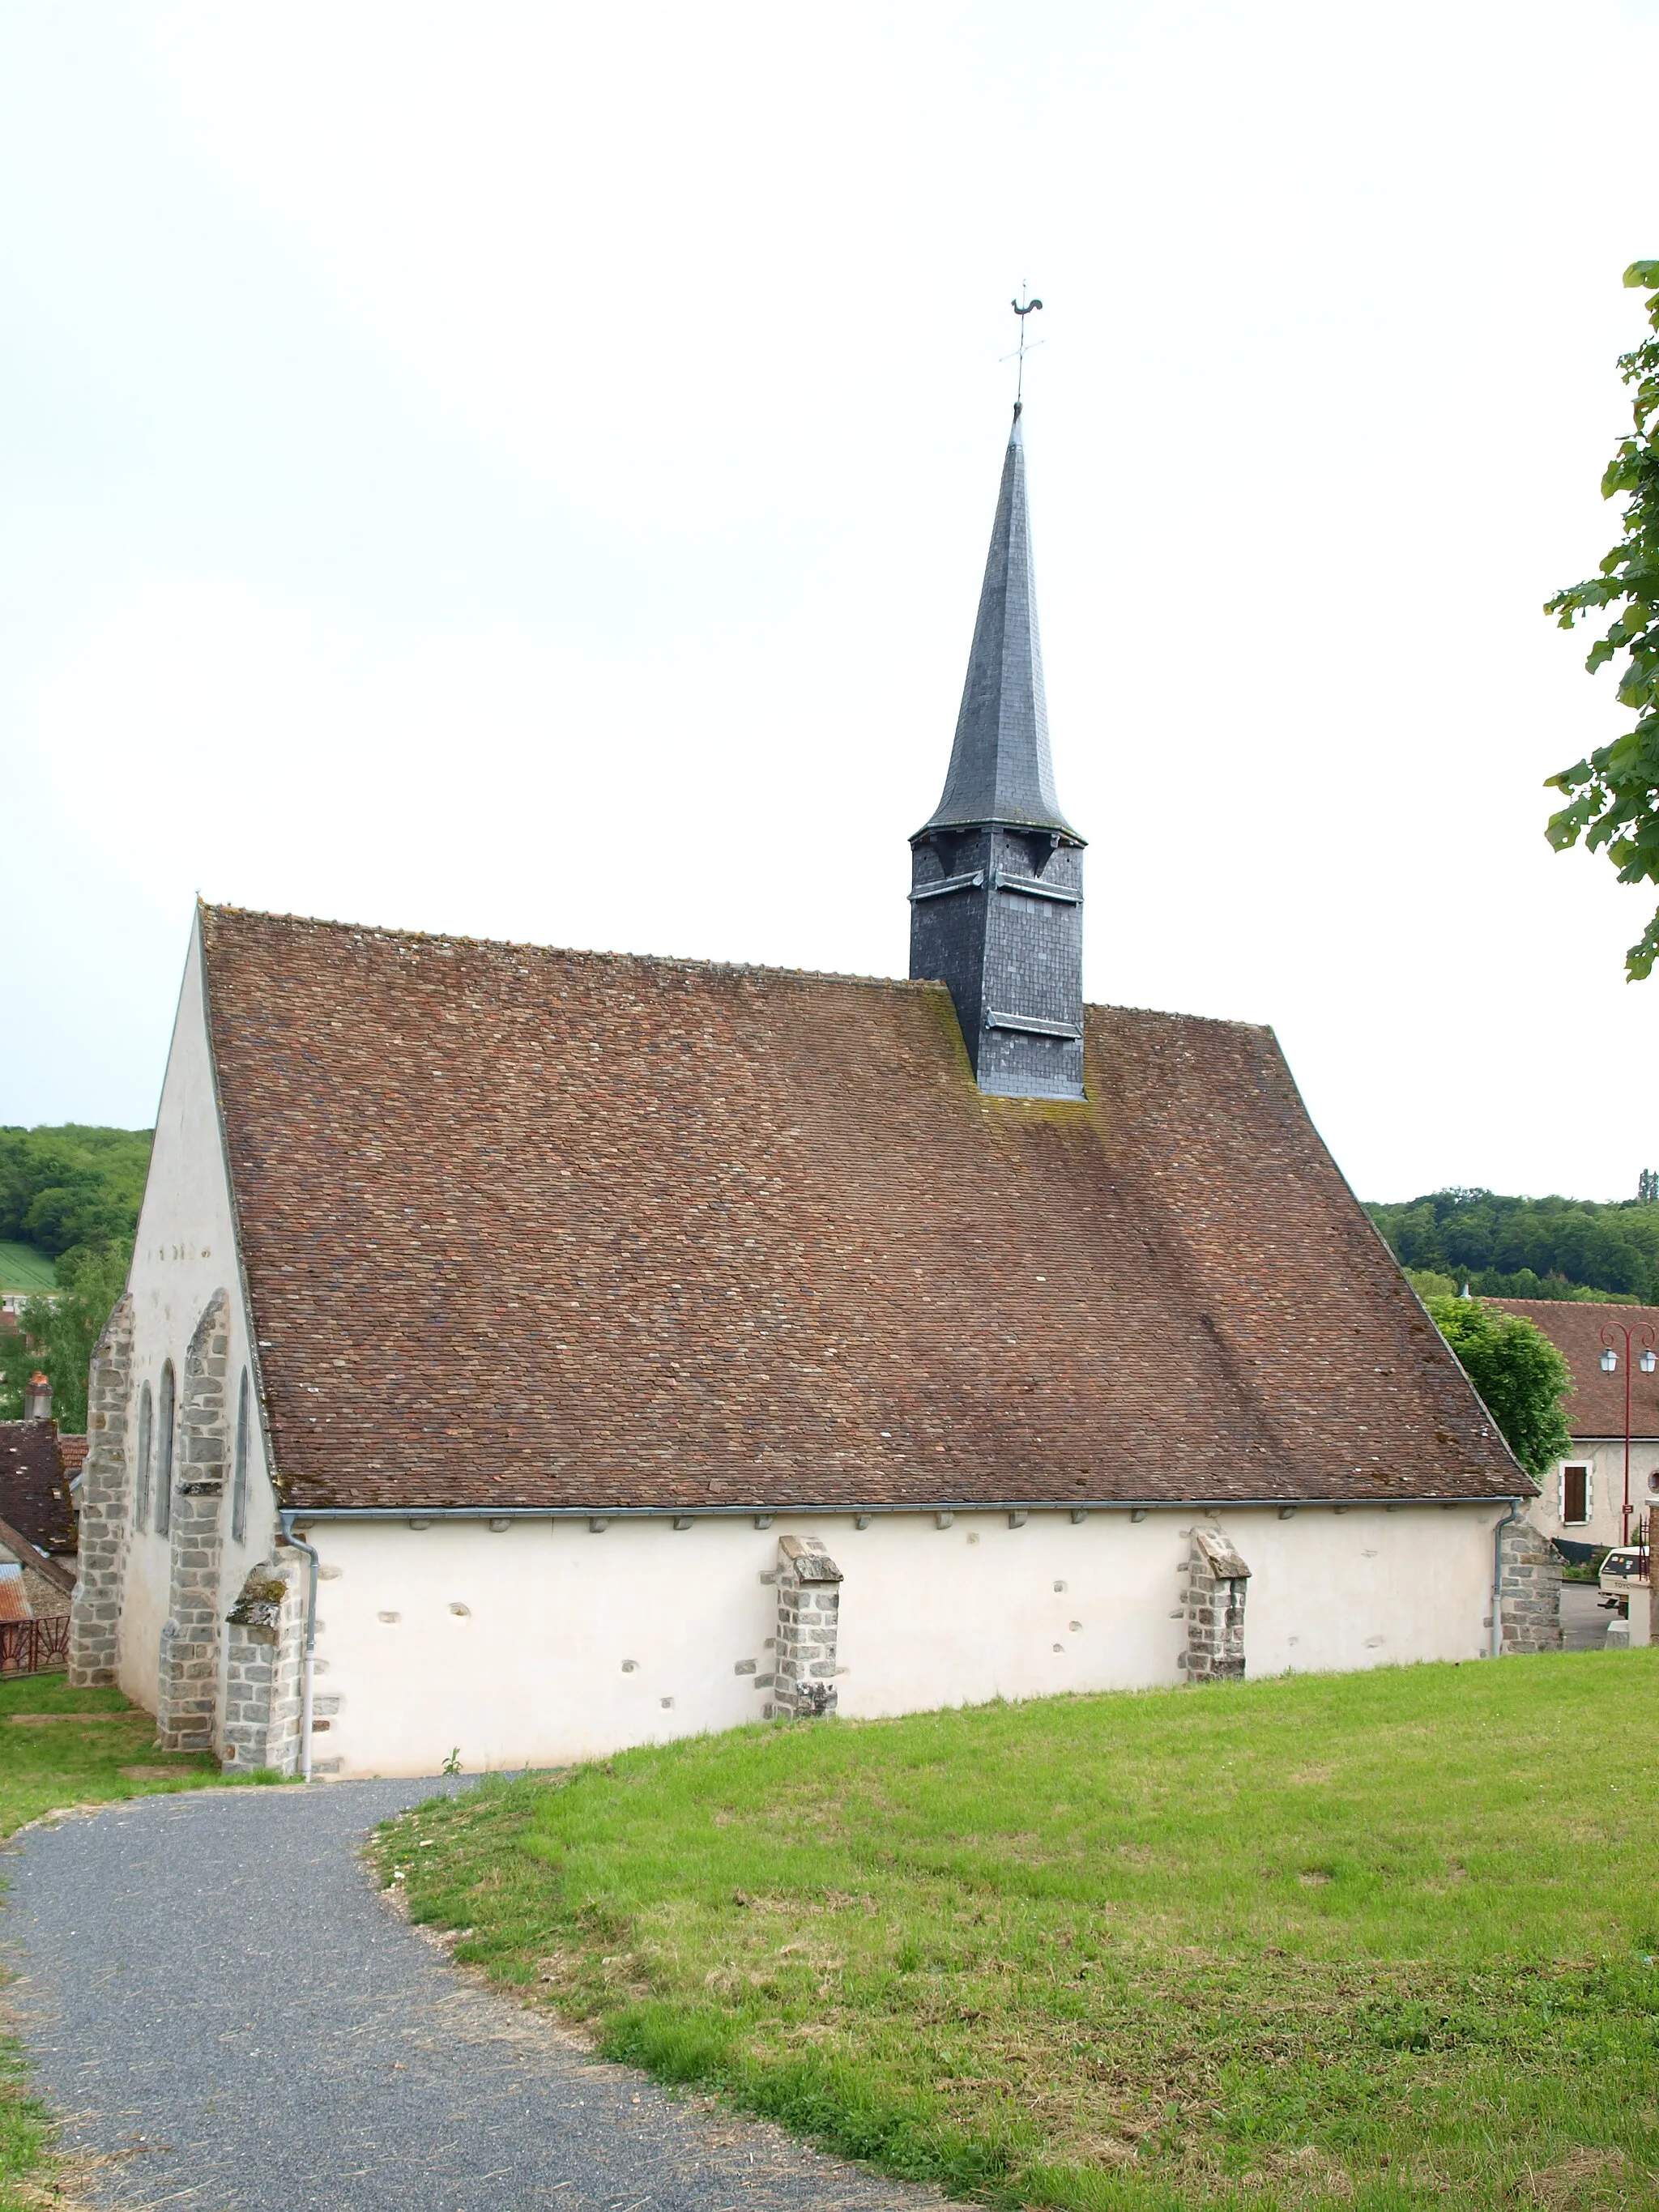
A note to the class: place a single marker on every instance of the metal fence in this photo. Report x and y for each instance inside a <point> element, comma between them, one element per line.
<point>34,1647</point>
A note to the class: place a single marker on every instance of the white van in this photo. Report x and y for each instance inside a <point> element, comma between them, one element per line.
<point>1623,1570</point>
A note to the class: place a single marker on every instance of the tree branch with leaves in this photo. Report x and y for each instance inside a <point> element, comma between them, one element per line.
<point>1614,796</point>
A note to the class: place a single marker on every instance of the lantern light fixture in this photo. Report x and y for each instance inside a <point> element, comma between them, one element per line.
<point>1609,1362</point>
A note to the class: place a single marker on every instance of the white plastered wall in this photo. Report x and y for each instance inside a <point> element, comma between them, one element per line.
<point>183,1251</point>
<point>540,1643</point>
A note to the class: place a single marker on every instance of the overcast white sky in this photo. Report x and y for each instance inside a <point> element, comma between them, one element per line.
<point>525,471</point>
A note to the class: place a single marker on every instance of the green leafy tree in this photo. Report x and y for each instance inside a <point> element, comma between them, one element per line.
<point>1614,796</point>
<point>1518,1372</point>
<point>58,1334</point>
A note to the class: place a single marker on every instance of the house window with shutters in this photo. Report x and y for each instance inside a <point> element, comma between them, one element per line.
<point>1574,1495</point>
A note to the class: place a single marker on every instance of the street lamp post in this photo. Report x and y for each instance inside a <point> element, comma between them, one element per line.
<point>1644,1335</point>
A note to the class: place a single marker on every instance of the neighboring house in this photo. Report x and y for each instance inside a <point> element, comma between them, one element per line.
<point>33,1584</point>
<point>647,1347</point>
<point>73,1452</point>
<point>37,1518</point>
<point>36,1468</point>
<point>13,1598</point>
<point>1582,1507</point>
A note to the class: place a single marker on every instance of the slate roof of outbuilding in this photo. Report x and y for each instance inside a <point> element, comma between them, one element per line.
<point>548,1229</point>
<point>1597,1407</point>
<point>34,1483</point>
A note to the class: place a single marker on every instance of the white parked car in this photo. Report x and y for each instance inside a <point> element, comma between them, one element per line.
<point>1623,1570</point>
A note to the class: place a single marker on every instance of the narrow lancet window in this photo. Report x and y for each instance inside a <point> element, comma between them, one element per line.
<point>164,1454</point>
<point>146,1439</point>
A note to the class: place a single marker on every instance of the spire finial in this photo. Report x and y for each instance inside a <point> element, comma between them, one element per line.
<point>1030,307</point>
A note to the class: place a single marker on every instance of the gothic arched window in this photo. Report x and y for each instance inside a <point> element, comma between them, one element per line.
<point>164,1454</point>
<point>239,1481</point>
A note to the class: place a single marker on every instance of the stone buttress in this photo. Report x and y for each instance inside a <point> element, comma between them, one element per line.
<point>264,1633</point>
<point>188,1686</point>
<point>96,1608</point>
<point>1216,1581</point>
<point>809,1613</point>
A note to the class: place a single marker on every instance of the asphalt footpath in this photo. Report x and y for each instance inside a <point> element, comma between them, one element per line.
<point>227,2015</point>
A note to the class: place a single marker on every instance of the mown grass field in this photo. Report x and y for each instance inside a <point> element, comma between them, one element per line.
<point>48,1759</point>
<point>1382,1941</point>
<point>24,1268</point>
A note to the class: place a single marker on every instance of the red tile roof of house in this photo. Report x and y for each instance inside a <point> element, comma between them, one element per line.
<point>34,1483</point>
<point>73,1452</point>
<point>534,1228</point>
<point>1597,1407</point>
<point>33,1560</point>
<point>13,1598</point>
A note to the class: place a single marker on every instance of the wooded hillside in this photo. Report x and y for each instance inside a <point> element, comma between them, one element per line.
<point>1528,1247</point>
<point>72,1186</point>
<point>72,1194</point>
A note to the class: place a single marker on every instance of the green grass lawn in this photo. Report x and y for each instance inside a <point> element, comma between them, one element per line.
<point>24,1268</point>
<point>1381,1941</point>
<point>46,1763</point>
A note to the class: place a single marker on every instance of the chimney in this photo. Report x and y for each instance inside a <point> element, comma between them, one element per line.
<point>37,1398</point>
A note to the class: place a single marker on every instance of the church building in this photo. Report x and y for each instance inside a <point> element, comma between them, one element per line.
<point>529,1353</point>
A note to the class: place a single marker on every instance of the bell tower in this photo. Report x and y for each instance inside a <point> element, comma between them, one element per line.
<point>996,889</point>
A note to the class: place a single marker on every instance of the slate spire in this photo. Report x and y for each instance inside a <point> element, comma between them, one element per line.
<point>1000,766</point>
<point>996,894</point>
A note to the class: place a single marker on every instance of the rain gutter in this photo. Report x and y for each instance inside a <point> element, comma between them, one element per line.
<point>308,1662</point>
<point>291,1514</point>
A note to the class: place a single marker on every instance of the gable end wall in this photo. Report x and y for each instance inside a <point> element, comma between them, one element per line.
<point>186,1288</point>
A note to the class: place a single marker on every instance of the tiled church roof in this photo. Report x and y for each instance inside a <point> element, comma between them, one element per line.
<point>532,1228</point>
<point>1597,1407</point>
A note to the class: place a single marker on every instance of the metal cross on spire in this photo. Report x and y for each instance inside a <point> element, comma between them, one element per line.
<point>1030,307</point>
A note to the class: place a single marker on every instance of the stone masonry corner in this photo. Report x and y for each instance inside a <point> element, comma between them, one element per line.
<point>1528,1591</point>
